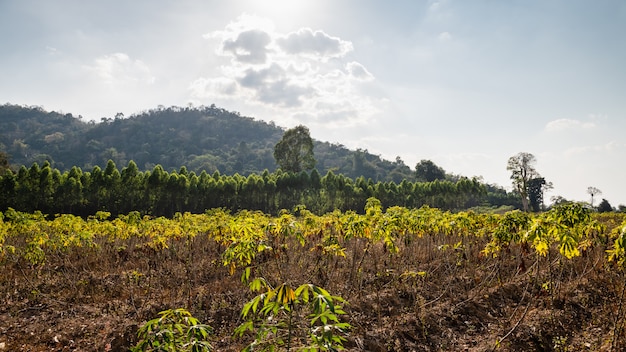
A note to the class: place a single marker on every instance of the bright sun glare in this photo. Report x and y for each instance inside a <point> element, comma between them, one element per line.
<point>287,15</point>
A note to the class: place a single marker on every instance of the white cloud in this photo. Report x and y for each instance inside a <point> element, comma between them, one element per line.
<point>291,74</point>
<point>272,85</point>
<point>119,69</point>
<point>220,87</point>
<point>243,23</point>
<point>359,71</point>
<point>342,113</point>
<point>305,41</point>
<point>249,47</point>
<point>600,148</point>
<point>565,124</point>
<point>253,78</point>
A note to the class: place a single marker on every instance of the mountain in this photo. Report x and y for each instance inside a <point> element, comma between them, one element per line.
<point>200,138</point>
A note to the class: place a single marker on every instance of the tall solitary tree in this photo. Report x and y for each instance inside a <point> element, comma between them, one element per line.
<point>294,152</point>
<point>592,191</point>
<point>428,171</point>
<point>522,167</point>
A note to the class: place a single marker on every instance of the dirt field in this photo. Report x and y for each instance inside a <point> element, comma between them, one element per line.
<point>427,297</point>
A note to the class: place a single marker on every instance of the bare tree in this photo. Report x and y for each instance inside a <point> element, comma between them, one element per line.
<point>592,191</point>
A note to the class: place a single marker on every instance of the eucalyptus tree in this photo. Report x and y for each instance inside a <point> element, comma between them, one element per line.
<point>4,163</point>
<point>48,182</point>
<point>8,190</point>
<point>111,191</point>
<point>132,187</point>
<point>156,181</point>
<point>68,196</point>
<point>176,193</point>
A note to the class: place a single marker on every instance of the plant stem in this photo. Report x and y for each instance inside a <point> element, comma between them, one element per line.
<point>617,328</point>
<point>289,331</point>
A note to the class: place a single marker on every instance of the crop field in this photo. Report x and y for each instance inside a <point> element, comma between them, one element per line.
<point>392,279</point>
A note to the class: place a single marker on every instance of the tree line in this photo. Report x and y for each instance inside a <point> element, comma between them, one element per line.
<point>158,192</point>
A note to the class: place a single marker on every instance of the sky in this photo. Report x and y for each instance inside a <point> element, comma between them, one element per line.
<point>466,84</point>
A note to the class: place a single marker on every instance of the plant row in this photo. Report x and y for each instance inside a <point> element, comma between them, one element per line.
<point>571,228</point>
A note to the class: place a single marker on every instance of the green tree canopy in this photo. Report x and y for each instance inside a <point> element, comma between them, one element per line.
<point>4,162</point>
<point>536,188</point>
<point>522,167</point>
<point>294,152</point>
<point>604,206</point>
<point>428,171</point>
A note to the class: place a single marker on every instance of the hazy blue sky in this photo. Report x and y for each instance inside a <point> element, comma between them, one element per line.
<point>466,84</point>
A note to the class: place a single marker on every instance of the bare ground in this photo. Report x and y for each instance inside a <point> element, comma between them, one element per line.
<point>95,300</point>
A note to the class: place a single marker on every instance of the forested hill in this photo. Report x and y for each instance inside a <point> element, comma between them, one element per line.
<point>200,138</point>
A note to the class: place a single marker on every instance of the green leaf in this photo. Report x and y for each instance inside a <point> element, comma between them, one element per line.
<point>303,291</point>
<point>245,276</point>
<point>246,309</point>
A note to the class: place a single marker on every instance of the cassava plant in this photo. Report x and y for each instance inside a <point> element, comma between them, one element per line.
<point>175,330</point>
<point>617,254</point>
<point>284,319</point>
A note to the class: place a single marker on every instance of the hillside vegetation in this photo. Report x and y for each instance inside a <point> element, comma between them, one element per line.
<point>202,139</point>
<point>174,159</point>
